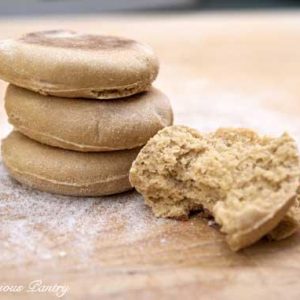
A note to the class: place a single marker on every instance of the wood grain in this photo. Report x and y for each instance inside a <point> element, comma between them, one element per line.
<point>218,70</point>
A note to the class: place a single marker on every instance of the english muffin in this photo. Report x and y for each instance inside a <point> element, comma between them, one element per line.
<point>246,181</point>
<point>70,64</point>
<point>66,172</point>
<point>88,125</point>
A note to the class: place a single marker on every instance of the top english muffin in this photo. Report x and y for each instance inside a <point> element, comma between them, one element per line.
<point>75,65</point>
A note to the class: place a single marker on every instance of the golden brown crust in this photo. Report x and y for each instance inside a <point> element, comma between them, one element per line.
<point>66,172</point>
<point>88,125</point>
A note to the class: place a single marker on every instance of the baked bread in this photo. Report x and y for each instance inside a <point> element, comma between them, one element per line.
<point>66,172</point>
<point>70,64</point>
<point>88,125</point>
<point>247,182</point>
<point>289,224</point>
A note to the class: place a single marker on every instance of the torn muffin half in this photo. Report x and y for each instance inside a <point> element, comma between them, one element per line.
<point>248,182</point>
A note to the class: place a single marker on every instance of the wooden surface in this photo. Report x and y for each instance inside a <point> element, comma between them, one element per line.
<point>219,70</point>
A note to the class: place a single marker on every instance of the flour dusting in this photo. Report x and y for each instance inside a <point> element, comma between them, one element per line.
<point>37,225</point>
<point>206,110</point>
<point>6,45</point>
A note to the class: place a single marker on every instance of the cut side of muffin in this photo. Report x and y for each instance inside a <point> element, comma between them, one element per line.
<point>247,182</point>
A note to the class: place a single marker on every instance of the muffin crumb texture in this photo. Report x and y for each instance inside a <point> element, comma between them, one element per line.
<point>246,181</point>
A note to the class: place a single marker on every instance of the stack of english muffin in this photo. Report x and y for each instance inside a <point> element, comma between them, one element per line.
<point>82,107</point>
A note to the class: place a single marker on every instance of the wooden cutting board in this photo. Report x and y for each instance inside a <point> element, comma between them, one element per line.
<point>230,69</point>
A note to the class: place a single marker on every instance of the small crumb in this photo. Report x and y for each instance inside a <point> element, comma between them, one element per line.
<point>62,253</point>
<point>211,223</point>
